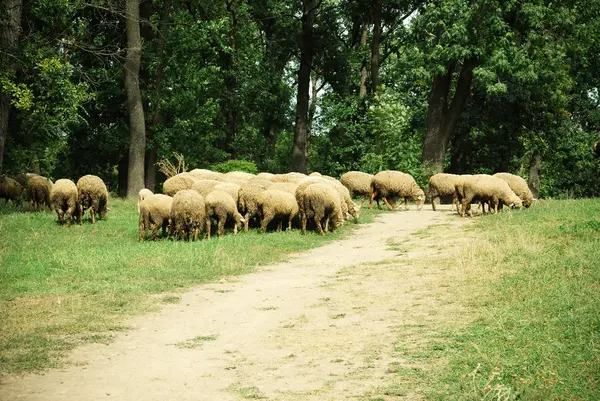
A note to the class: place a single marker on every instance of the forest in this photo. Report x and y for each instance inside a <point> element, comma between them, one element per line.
<point>465,86</point>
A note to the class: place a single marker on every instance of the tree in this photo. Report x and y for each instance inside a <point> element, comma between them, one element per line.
<point>137,147</point>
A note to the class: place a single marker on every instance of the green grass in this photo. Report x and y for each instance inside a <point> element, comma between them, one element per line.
<point>534,291</point>
<point>58,285</point>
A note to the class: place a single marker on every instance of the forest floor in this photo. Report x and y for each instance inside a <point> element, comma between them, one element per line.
<point>323,325</point>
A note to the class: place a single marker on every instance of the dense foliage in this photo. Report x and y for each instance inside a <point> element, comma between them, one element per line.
<point>516,83</point>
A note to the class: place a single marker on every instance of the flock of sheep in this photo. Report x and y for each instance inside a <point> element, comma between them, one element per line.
<point>191,201</point>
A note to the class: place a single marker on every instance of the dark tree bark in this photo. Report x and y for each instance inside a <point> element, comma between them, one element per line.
<point>228,61</point>
<point>363,72</point>
<point>442,116</point>
<point>137,147</point>
<point>535,166</point>
<point>301,129</point>
<point>312,109</point>
<point>10,30</point>
<point>375,45</point>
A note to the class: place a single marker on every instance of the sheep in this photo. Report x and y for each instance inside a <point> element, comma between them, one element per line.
<point>265,176</point>
<point>315,174</point>
<point>308,181</point>
<point>442,184</point>
<point>177,183</point>
<point>485,188</point>
<point>322,202</point>
<point>65,201</point>
<point>349,208</point>
<point>221,206</point>
<point>248,198</point>
<point>38,192</point>
<point>143,194</point>
<point>358,183</point>
<point>93,195</point>
<point>288,187</point>
<point>519,187</point>
<point>203,187</point>
<point>202,174</point>
<point>11,190</point>
<point>288,177</point>
<point>22,178</point>
<point>238,176</point>
<point>276,204</point>
<point>155,212</point>
<point>188,214</point>
<point>389,183</point>
<point>231,188</point>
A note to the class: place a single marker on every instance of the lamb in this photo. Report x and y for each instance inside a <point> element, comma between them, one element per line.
<point>188,214</point>
<point>143,194</point>
<point>277,204</point>
<point>11,190</point>
<point>248,198</point>
<point>177,183</point>
<point>155,212</point>
<point>65,201</point>
<point>442,185</point>
<point>322,202</point>
<point>93,195</point>
<point>38,192</point>
<point>485,188</point>
<point>221,206</point>
<point>231,188</point>
<point>358,183</point>
<point>386,184</point>
<point>519,187</point>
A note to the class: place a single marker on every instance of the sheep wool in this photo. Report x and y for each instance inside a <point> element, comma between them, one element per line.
<point>485,188</point>
<point>390,184</point>
<point>248,198</point>
<point>277,204</point>
<point>442,185</point>
<point>358,183</point>
<point>93,195</point>
<point>188,214</point>
<point>177,183</point>
<point>322,203</point>
<point>11,190</point>
<point>143,194</point>
<point>519,187</point>
<point>155,212</point>
<point>65,201</point>
<point>220,206</point>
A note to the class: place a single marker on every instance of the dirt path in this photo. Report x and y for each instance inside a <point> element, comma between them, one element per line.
<point>323,326</point>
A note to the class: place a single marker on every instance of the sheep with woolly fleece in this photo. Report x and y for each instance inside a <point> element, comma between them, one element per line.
<point>231,188</point>
<point>188,214</point>
<point>277,204</point>
<point>358,183</point>
<point>328,181</point>
<point>239,176</point>
<point>143,194</point>
<point>288,177</point>
<point>349,208</point>
<point>289,187</point>
<point>248,198</point>
<point>65,201</point>
<point>221,207</point>
<point>301,191</point>
<point>155,212</point>
<point>485,188</point>
<point>203,187</point>
<point>442,185</point>
<point>177,183</point>
<point>22,178</point>
<point>265,176</point>
<point>389,183</point>
<point>519,187</point>
<point>11,190</point>
<point>315,174</point>
<point>203,174</point>
<point>322,203</point>
<point>38,192</point>
<point>93,195</point>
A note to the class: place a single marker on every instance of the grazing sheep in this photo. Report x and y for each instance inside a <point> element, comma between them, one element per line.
<point>301,192</point>
<point>386,184</point>
<point>519,187</point>
<point>442,185</point>
<point>188,214</point>
<point>322,203</point>
<point>143,194</point>
<point>65,201</point>
<point>38,192</point>
<point>248,199</point>
<point>288,187</point>
<point>221,206</point>
<point>231,188</point>
<point>11,190</point>
<point>265,176</point>
<point>93,195</point>
<point>485,188</point>
<point>203,187</point>
<point>22,178</point>
<point>178,183</point>
<point>239,176</point>
<point>349,208</point>
<point>288,177</point>
<point>202,174</point>
<point>155,212</point>
<point>358,183</point>
<point>315,174</point>
<point>276,204</point>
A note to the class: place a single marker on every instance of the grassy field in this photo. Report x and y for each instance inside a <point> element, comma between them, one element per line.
<point>533,287</point>
<point>62,287</point>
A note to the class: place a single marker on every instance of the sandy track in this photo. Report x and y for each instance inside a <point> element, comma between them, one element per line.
<point>319,327</point>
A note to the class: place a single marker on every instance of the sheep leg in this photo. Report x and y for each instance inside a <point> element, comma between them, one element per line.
<point>154,228</point>
<point>265,222</point>
<point>68,216</point>
<point>208,224</point>
<point>93,213</point>
<point>433,198</point>
<point>318,219</point>
<point>247,221</point>
<point>386,203</point>
<point>290,222</point>
<point>327,224</point>
<point>60,215</point>
<point>279,225</point>
<point>405,203</point>
<point>221,227</point>
<point>303,222</point>
<point>363,200</point>
<point>141,235</point>
<point>373,195</point>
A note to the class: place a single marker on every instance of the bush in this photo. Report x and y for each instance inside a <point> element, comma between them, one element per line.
<point>235,165</point>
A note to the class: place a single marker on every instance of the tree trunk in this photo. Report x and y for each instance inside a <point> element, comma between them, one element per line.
<point>312,109</point>
<point>229,103</point>
<point>301,129</point>
<point>150,161</point>
<point>375,46</point>
<point>363,73</point>
<point>441,117</point>
<point>10,30</point>
<point>137,147</point>
<point>535,166</point>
